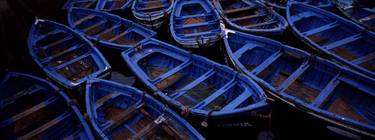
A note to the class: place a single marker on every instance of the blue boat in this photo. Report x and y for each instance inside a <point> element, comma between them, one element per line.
<point>107,29</point>
<point>193,84</point>
<point>340,38</point>
<point>281,4</point>
<point>152,13</point>
<point>80,3</point>
<point>195,23</point>
<point>33,108</point>
<point>123,112</point>
<point>65,55</point>
<point>251,16</point>
<point>316,86</point>
<point>111,5</point>
<point>360,11</point>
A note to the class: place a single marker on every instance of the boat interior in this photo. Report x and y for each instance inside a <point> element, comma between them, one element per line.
<point>196,83</point>
<point>335,37</point>
<point>122,115</point>
<point>306,79</point>
<point>30,111</point>
<point>107,29</point>
<point>61,51</point>
<point>194,18</point>
<point>249,15</point>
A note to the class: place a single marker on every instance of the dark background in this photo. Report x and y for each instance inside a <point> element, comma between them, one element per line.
<point>16,17</point>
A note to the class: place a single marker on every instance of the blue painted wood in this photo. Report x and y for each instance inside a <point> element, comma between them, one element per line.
<point>195,23</point>
<point>65,55</point>
<point>215,95</point>
<point>327,91</point>
<point>251,16</point>
<point>152,13</point>
<point>195,83</point>
<point>361,12</point>
<point>293,77</point>
<point>320,29</point>
<point>32,107</point>
<point>267,62</point>
<point>123,112</point>
<point>281,4</point>
<point>324,4</point>
<point>342,42</point>
<point>236,102</point>
<point>315,85</point>
<point>114,5</point>
<point>107,29</point>
<point>335,36</point>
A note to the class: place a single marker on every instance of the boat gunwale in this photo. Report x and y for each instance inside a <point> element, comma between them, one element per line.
<point>191,42</point>
<point>250,84</point>
<point>361,30</point>
<point>182,122</point>
<point>48,85</point>
<point>102,3</point>
<point>133,27</point>
<point>94,54</point>
<point>283,24</point>
<point>294,101</point>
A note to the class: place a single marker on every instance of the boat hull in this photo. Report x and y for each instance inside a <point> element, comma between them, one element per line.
<point>103,98</point>
<point>108,30</point>
<point>179,87</point>
<point>360,13</point>
<point>79,3</point>
<point>152,13</point>
<point>281,4</point>
<point>290,81</point>
<point>65,55</point>
<point>334,36</point>
<point>114,5</point>
<point>259,19</point>
<point>195,24</point>
<point>33,108</point>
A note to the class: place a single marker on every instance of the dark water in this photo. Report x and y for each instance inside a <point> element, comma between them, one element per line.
<point>16,17</point>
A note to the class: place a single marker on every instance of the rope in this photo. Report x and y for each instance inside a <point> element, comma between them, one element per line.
<point>197,40</point>
<point>139,48</point>
<point>185,111</point>
<point>204,123</point>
